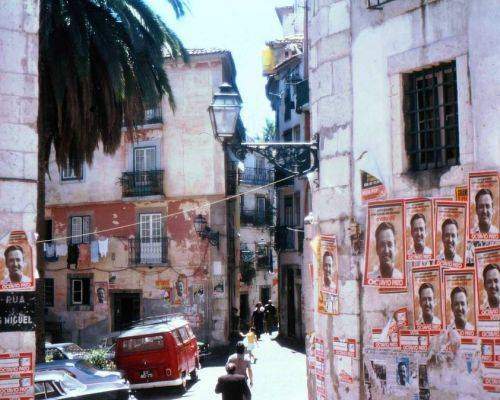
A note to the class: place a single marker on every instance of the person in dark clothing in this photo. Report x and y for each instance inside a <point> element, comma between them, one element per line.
<point>270,314</point>
<point>233,386</point>
<point>258,319</point>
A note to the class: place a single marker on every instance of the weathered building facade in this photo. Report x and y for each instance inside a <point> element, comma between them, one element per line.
<point>124,241</point>
<point>384,81</point>
<point>258,264</point>
<point>285,89</point>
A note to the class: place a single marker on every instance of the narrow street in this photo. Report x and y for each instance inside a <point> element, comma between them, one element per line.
<point>278,374</point>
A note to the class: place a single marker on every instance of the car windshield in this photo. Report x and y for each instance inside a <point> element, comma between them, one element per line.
<point>73,348</point>
<point>86,367</point>
<point>70,384</point>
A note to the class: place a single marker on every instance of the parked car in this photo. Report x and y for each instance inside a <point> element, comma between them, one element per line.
<point>85,373</point>
<point>158,353</point>
<point>61,385</point>
<point>64,351</point>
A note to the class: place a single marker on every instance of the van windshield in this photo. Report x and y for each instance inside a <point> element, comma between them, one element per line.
<point>143,343</point>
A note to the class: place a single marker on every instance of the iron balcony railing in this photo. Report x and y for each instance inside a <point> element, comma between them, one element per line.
<point>288,238</point>
<point>147,251</point>
<point>256,176</point>
<point>256,217</point>
<point>377,4</point>
<point>153,116</point>
<point>142,183</point>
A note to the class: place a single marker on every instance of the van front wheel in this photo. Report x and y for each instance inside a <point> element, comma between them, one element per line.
<point>194,375</point>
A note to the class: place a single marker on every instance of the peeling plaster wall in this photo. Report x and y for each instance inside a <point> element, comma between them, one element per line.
<point>357,58</point>
<point>194,176</point>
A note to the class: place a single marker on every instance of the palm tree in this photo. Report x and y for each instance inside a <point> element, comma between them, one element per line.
<point>101,63</point>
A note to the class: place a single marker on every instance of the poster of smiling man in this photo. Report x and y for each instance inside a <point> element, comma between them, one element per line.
<point>488,283</point>
<point>16,263</point>
<point>484,205</point>
<point>427,310</point>
<point>384,252</point>
<point>328,299</point>
<point>459,292</point>
<point>419,229</point>
<point>450,227</point>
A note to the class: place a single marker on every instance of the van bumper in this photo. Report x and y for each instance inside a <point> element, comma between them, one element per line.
<point>149,385</point>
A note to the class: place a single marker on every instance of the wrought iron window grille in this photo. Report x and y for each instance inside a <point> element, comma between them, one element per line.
<point>142,183</point>
<point>431,117</point>
<point>148,251</point>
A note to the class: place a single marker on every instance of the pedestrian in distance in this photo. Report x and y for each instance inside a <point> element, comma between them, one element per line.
<point>243,365</point>
<point>233,386</point>
<point>258,319</point>
<point>250,342</point>
<point>270,315</point>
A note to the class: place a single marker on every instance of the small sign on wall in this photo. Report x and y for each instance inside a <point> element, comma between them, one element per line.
<point>17,311</point>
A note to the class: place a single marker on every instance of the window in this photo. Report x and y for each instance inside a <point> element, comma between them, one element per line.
<point>49,292</point>
<point>144,343</point>
<point>144,159</point>
<point>288,203</point>
<point>289,104</point>
<point>261,209</point>
<point>68,173</point>
<point>296,133</point>
<point>288,135</point>
<point>79,229</point>
<point>431,117</point>
<point>150,235</point>
<point>296,208</point>
<point>184,334</point>
<point>80,291</point>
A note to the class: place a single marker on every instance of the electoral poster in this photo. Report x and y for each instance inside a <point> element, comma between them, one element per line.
<point>419,229</point>
<point>427,307</point>
<point>450,227</point>
<point>484,217</point>
<point>384,251</point>
<point>328,297</point>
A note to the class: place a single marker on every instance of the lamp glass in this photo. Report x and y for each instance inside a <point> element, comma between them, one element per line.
<point>224,111</point>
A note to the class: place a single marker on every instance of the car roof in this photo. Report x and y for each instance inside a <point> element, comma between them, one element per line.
<point>59,344</point>
<point>150,329</point>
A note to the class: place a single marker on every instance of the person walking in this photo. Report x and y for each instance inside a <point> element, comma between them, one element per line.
<point>250,341</point>
<point>233,386</point>
<point>270,315</point>
<point>258,319</point>
<point>243,365</point>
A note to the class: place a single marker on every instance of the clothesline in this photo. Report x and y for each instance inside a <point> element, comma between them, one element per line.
<point>65,238</point>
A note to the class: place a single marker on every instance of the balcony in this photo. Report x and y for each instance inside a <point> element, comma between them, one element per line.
<point>256,176</point>
<point>286,239</point>
<point>153,116</point>
<point>256,217</point>
<point>142,183</point>
<point>147,251</point>
<point>377,4</point>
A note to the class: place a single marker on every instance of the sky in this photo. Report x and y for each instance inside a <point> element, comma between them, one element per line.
<point>241,26</point>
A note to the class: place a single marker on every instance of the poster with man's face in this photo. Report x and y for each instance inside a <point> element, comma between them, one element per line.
<point>329,265</point>
<point>427,310</point>
<point>419,229</point>
<point>484,205</point>
<point>16,263</point>
<point>384,252</point>
<point>487,263</point>
<point>180,290</point>
<point>450,227</point>
<point>101,295</point>
<point>459,291</point>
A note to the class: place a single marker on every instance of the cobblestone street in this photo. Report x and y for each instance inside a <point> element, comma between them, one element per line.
<point>280,373</point>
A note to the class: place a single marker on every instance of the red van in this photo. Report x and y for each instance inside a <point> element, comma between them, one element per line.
<point>156,354</point>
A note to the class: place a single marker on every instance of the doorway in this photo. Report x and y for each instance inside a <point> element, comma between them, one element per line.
<point>126,309</point>
<point>265,294</point>
<point>244,310</point>
<point>290,301</point>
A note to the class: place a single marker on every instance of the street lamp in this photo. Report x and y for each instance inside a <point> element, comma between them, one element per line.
<point>204,231</point>
<point>224,111</point>
<point>291,158</point>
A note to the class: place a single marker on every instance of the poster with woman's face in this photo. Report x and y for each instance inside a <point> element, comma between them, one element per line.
<point>427,309</point>
<point>484,205</point>
<point>16,263</point>
<point>450,227</point>
<point>419,229</point>
<point>384,252</point>
<point>460,300</point>
<point>487,263</point>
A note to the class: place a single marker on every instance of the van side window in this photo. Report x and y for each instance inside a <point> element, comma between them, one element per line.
<point>177,336</point>
<point>189,331</point>
<point>184,334</point>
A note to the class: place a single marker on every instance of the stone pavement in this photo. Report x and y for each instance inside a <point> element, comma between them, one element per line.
<point>279,374</point>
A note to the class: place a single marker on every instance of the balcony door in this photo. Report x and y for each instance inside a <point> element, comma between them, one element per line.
<point>260,209</point>
<point>144,162</point>
<point>150,238</point>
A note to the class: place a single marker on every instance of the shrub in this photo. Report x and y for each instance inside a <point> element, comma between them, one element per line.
<point>97,358</point>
